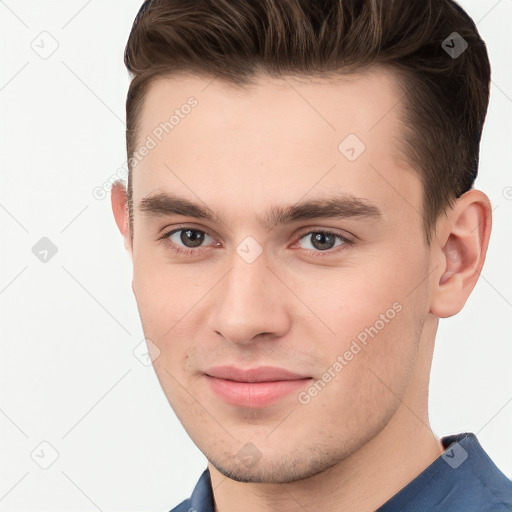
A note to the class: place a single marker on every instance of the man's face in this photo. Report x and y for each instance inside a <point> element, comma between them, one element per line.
<point>345,314</point>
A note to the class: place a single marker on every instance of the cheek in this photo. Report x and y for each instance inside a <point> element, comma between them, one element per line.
<point>171,308</point>
<point>152,301</point>
<point>375,313</point>
<point>159,304</point>
<point>348,300</point>
<point>367,373</point>
<point>163,293</point>
<point>163,300</point>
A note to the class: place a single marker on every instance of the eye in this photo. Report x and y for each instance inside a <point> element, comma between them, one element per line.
<point>187,240</point>
<point>322,240</point>
<point>189,237</point>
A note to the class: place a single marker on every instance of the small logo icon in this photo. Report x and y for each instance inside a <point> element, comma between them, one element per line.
<point>146,352</point>
<point>455,455</point>
<point>249,249</point>
<point>351,147</point>
<point>249,455</point>
<point>44,454</point>
<point>454,45</point>
<point>44,250</point>
<point>45,45</point>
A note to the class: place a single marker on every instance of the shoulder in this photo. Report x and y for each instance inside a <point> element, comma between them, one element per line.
<point>462,478</point>
<point>476,483</point>
<point>184,506</point>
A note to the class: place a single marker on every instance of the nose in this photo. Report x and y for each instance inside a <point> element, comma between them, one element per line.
<point>250,303</point>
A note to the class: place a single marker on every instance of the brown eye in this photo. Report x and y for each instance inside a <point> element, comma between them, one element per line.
<point>187,240</point>
<point>322,240</point>
<point>191,237</point>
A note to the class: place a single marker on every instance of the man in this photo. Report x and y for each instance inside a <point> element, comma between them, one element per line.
<point>300,212</point>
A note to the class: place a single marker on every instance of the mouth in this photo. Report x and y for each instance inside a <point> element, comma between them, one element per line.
<point>254,387</point>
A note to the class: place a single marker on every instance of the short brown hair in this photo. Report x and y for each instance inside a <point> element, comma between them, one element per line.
<point>445,96</point>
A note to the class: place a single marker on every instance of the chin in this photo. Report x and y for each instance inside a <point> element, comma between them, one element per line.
<point>281,472</point>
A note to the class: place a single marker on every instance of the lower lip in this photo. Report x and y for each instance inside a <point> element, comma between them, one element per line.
<point>254,394</point>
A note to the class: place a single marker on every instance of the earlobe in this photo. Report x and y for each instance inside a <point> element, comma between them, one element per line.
<point>461,250</point>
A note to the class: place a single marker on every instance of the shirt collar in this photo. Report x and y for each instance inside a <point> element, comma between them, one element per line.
<point>462,469</point>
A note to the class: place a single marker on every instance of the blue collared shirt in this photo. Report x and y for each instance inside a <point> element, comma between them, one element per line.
<point>463,478</point>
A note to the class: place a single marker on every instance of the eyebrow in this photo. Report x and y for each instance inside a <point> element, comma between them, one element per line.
<point>341,206</point>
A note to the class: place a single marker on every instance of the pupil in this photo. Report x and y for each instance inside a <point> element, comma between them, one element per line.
<point>193,236</point>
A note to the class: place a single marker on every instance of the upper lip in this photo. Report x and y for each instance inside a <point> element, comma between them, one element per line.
<point>259,374</point>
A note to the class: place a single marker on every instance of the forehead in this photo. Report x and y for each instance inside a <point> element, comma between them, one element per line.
<point>273,140</point>
<point>307,106</point>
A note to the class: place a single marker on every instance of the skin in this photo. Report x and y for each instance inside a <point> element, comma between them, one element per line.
<point>366,434</point>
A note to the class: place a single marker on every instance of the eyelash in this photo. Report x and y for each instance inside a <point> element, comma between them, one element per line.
<point>328,252</point>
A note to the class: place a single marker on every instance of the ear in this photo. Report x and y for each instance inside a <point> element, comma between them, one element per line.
<point>462,241</point>
<point>119,201</point>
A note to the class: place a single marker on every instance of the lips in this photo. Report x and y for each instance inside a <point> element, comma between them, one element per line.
<point>259,374</point>
<point>254,387</point>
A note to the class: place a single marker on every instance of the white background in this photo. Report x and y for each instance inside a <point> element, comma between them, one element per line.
<point>69,326</point>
